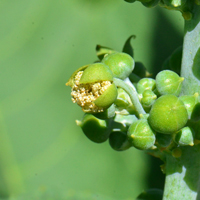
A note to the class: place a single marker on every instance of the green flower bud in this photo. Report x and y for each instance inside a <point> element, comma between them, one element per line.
<point>148,98</point>
<point>118,141</point>
<point>95,129</point>
<point>189,101</point>
<point>174,4</point>
<point>168,82</point>
<point>146,84</point>
<point>141,135</point>
<point>123,102</point>
<point>168,114</point>
<point>184,137</point>
<point>93,88</point>
<point>121,64</point>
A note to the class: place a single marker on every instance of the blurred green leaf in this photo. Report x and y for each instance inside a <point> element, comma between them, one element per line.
<point>128,47</point>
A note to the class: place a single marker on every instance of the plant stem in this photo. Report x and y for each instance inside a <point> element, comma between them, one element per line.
<point>183,174</point>
<point>190,69</point>
<point>132,94</point>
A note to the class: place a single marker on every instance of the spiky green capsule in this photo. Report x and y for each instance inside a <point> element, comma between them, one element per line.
<point>168,82</point>
<point>146,84</point>
<point>93,88</point>
<point>95,129</point>
<point>121,64</point>
<point>168,114</point>
<point>141,135</point>
<point>184,137</point>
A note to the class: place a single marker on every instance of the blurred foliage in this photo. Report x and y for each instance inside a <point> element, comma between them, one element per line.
<point>42,151</point>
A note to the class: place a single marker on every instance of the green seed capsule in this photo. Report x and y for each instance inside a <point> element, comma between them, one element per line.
<point>118,141</point>
<point>141,135</point>
<point>121,64</point>
<point>189,101</point>
<point>95,129</point>
<point>168,82</point>
<point>93,88</point>
<point>168,114</point>
<point>146,84</point>
<point>148,98</point>
<point>184,137</point>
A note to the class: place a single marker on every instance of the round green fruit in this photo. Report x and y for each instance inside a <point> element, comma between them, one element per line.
<point>168,82</point>
<point>121,64</point>
<point>168,114</point>
<point>141,135</point>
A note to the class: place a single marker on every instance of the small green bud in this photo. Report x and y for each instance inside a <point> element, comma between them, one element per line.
<point>121,64</point>
<point>118,141</point>
<point>148,98</point>
<point>123,102</point>
<point>174,4</point>
<point>95,129</point>
<point>168,114</point>
<point>93,88</point>
<point>146,84</point>
<point>189,101</point>
<point>184,137</point>
<point>141,135</point>
<point>168,82</point>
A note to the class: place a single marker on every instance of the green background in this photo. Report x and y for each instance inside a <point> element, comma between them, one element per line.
<point>43,154</point>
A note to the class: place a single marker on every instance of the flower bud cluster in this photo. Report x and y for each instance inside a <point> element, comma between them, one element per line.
<point>148,114</point>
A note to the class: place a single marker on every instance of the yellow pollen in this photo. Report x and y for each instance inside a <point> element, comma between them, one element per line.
<point>85,94</point>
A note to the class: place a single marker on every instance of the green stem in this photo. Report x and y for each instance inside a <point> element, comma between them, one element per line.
<point>132,93</point>
<point>183,174</point>
<point>190,69</point>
